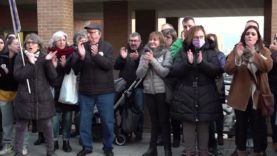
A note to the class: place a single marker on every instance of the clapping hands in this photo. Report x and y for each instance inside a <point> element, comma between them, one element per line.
<point>52,56</point>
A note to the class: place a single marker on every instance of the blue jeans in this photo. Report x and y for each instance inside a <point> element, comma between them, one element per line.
<point>67,122</point>
<point>7,121</point>
<point>104,103</point>
<point>139,105</point>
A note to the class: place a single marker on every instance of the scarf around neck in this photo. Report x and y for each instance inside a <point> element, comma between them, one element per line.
<point>60,52</point>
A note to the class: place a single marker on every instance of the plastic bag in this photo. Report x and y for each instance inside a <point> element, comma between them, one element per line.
<point>68,92</point>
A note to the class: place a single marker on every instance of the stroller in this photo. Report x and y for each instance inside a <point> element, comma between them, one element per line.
<point>126,115</point>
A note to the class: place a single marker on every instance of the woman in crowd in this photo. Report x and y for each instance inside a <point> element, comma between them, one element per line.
<point>218,123</point>
<point>195,98</point>
<point>153,67</point>
<point>59,43</point>
<point>249,64</point>
<point>8,88</point>
<point>272,77</point>
<point>34,100</point>
<point>77,38</point>
<point>175,45</point>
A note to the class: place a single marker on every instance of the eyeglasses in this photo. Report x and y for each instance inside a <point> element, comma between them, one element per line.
<point>31,42</point>
<point>198,37</point>
<point>133,40</point>
<point>252,33</point>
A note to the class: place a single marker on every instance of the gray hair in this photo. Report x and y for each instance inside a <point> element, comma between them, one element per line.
<point>57,36</point>
<point>78,36</point>
<point>170,32</point>
<point>135,34</point>
<point>35,38</point>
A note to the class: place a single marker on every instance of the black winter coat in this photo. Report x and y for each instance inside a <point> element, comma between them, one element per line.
<point>195,98</point>
<point>128,67</point>
<point>272,75</point>
<point>7,81</point>
<point>96,72</point>
<point>39,104</point>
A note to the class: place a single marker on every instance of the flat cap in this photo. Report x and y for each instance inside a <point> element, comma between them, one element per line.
<point>93,26</point>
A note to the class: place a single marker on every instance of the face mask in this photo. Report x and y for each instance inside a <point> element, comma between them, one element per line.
<point>198,43</point>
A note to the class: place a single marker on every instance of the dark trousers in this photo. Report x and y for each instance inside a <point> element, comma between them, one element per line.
<point>159,117</point>
<point>176,129</point>
<point>45,125</point>
<point>273,125</point>
<point>257,123</point>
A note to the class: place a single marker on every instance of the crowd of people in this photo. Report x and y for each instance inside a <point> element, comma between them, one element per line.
<point>182,88</point>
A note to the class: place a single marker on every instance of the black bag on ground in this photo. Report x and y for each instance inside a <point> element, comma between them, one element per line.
<point>130,118</point>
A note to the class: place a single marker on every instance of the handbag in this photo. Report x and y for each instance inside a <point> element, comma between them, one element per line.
<point>265,96</point>
<point>7,96</point>
<point>68,91</point>
<point>267,104</point>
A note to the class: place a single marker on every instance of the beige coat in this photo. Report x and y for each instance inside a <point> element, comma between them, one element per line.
<point>242,83</point>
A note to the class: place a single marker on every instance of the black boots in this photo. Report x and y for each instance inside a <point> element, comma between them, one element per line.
<point>66,146</point>
<point>18,154</point>
<point>56,145</point>
<point>152,151</point>
<point>167,150</point>
<point>40,139</point>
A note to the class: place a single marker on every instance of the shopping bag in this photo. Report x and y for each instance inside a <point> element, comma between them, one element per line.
<point>68,91</point>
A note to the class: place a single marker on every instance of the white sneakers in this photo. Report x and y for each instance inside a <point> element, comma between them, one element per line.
<point>25,150</point>
<point>7,148</point>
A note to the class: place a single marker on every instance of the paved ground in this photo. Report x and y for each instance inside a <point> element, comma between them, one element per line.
<point>129,149</point>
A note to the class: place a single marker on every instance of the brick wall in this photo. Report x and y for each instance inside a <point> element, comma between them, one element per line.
<point>54,15</point>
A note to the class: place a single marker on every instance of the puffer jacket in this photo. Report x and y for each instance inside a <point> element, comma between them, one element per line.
<point>155,72</point>
<point>39,104</point>
<point>195,98</point>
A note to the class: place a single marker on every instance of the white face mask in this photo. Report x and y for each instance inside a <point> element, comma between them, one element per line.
<point>198,43</point>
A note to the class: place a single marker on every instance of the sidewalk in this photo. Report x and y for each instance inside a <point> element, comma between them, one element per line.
<point>130,149</point>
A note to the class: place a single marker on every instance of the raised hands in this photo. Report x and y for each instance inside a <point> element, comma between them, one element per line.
<point>63,60</point>
<point>190,56</point>
<point>134,55</point>
<point>94,49</point>
<point>4,67</point>
<point>239,49</point>
<point>81,50</point>
<point>148,56</point>
<point>52,56</point>
<point>123,52</point>
<point>200,57</point>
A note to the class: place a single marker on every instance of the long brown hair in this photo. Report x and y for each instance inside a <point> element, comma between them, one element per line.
<point>259,43</point>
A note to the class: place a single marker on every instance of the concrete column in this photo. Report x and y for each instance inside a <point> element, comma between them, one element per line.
<point>54,15</point>
<point>146,22</point>
<point>173,21</point>
<point>116,24</point>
